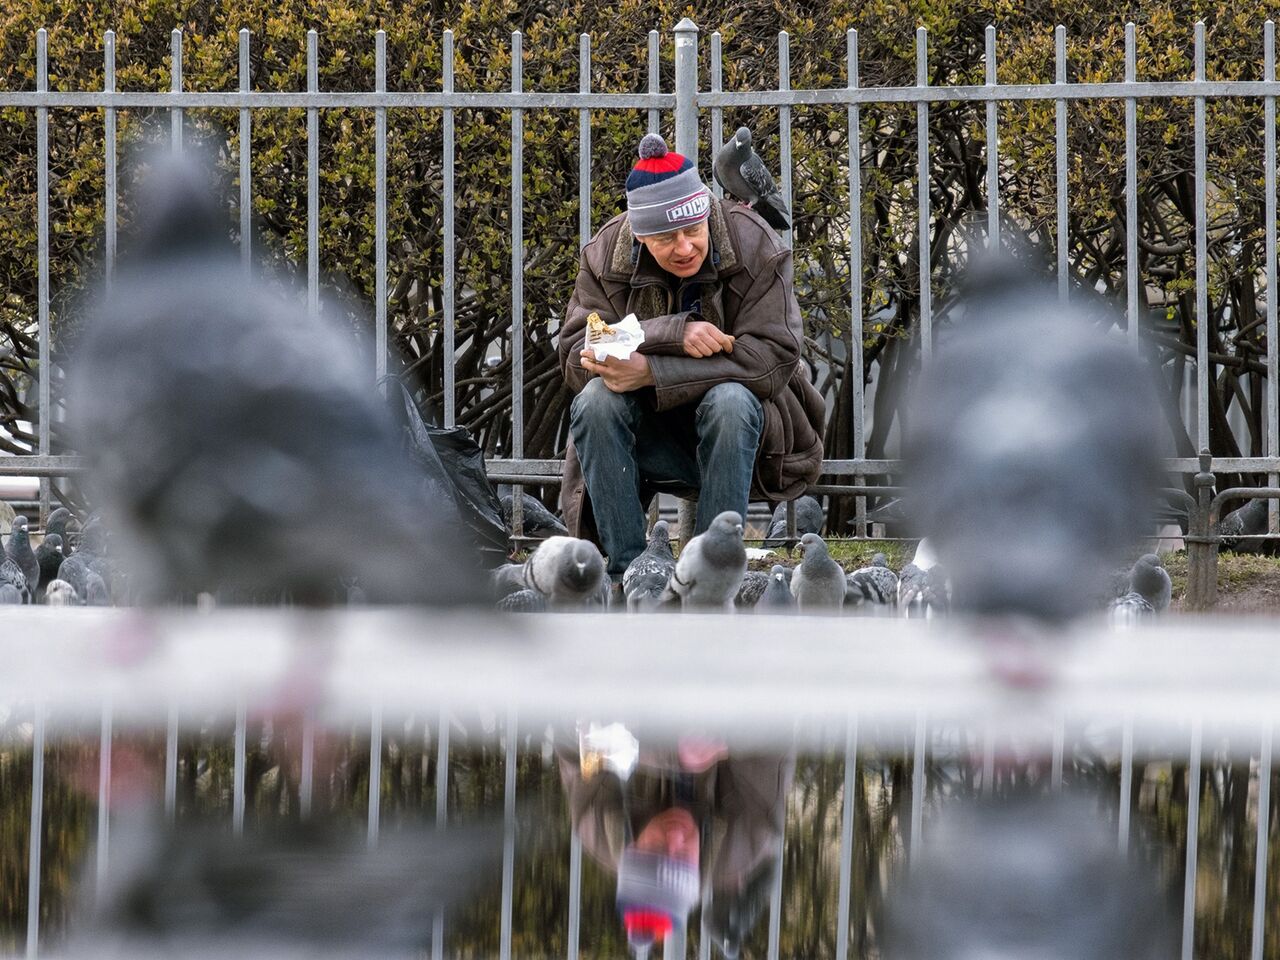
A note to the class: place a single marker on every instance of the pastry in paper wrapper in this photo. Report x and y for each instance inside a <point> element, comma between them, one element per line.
<point>621,339</point>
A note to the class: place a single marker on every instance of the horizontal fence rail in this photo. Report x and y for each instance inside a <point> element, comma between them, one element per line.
<point>686,103</point>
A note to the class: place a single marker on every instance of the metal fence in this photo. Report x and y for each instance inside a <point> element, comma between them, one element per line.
<point>689,103</point>
<point>1198,693</point>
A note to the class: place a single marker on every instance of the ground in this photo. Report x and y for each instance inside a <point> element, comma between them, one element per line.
<point>1247,583</point>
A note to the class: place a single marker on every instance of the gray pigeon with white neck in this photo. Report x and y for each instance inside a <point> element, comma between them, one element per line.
<point>743,174</point>
<point>818,583</point>
<point>565,570</point>
<point>711,567</point>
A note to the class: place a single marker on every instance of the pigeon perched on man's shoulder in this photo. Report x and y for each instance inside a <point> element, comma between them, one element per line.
<point>818,583</point>
<point>18,549</point>
<point>646,576</point>
<point>711,566</point>
<point>809,519</point>
<point>743,174</point>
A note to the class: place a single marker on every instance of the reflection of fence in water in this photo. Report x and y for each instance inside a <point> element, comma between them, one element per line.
<point>1140,738</point>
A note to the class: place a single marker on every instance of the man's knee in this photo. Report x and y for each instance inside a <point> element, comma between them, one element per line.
<point>730,406</point>
<point>598,407</point>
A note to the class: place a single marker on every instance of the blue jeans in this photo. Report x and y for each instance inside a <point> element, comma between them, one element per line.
<point>629,452</point>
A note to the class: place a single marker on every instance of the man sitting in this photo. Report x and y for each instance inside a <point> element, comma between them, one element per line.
<point>716,400</point>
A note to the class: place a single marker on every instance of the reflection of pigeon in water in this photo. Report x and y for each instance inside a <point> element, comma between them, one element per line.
<point>49,557</point>
<point>875,584</point>
<point>646,576</point>
<point>1032,478</point>
<point>539,522</point>
<point>59,593</point>
<point>1247,521</point>
<point>819,582</point>
<point>743,174</point>
<point>295,891</point>
<point>809,519</point>
<point>1026,878</point>
<point>235,441</point>
<point>777,596</point>
<point>19,551</point>
<point>711,566</point>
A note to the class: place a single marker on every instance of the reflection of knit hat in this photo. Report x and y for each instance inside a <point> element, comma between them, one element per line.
<point>664,191</point>
<point>655,894</point>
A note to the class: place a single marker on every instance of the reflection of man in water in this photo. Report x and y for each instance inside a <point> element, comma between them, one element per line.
<point>689,821</point>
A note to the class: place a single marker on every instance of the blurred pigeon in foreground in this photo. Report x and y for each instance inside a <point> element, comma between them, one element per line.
<point>818,583</point>
<point>235,441</point>
<point>538,521</point>
<point>59,593</point>
<point>1026,878</point>
<point>19,551</point>
<point>1033,462</point>
<point>646,576</point>
<point>711,566</point>
<point>743,174</point>
<point>875,585</point>
<point>809,519</point>
<point>295,891</point>
<point>1247,521</point>
<point>49,557</point>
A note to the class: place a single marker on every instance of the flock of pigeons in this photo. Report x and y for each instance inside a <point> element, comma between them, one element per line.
<point>564,572</point>
<point>55,572</point>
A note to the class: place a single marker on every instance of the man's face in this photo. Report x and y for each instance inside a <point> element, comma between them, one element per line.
<point>682,251</point>
<point>671,833</point>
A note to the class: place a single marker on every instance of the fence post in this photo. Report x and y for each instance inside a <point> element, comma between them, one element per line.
<point>1202,543</point>
<point>687,88</point>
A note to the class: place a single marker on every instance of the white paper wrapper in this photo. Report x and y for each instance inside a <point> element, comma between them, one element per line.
<point>625,339</point>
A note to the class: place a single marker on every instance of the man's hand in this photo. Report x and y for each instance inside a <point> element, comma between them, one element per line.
<point>620,376</point>
<point>702,339</point>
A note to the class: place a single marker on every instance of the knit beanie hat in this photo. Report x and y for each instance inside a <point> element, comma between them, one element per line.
<point>664,191</point>
<point>655,894</point>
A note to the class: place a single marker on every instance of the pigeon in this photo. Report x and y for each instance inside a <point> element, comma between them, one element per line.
<point>777,596</point>
<point>1132,608</point>
<point>743,174</point>
<point>923,594</point>
<point>809,519</point>
<point>57,522</point>
<point>876,584</point>
<point>59,593</point>
<point>75,571</point>
<point>1150,579</point>
<point>1026,877</point>
<point>235,442</point>
<point>1033,479</point>
<point>567,571</point>
<point>49,556</point>
<point>96,593</point>
<point>818,583</point>
<point>11,574</point>
<point>18,549</point>
<point>9,594</point>
<point>754,583</point>
<point>711,567</point>
<point>539,522</point>
<point>1243,522</point>
<point>646,577</point>
<point>523,601</point>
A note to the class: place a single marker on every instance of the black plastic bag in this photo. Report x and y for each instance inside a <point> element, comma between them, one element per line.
<point>453,471</point>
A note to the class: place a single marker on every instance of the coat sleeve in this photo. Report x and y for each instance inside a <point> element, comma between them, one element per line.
<point>767,338</point>
<point>595,809</point>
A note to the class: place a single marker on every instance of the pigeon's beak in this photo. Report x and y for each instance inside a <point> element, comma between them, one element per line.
<point>738,527</point>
